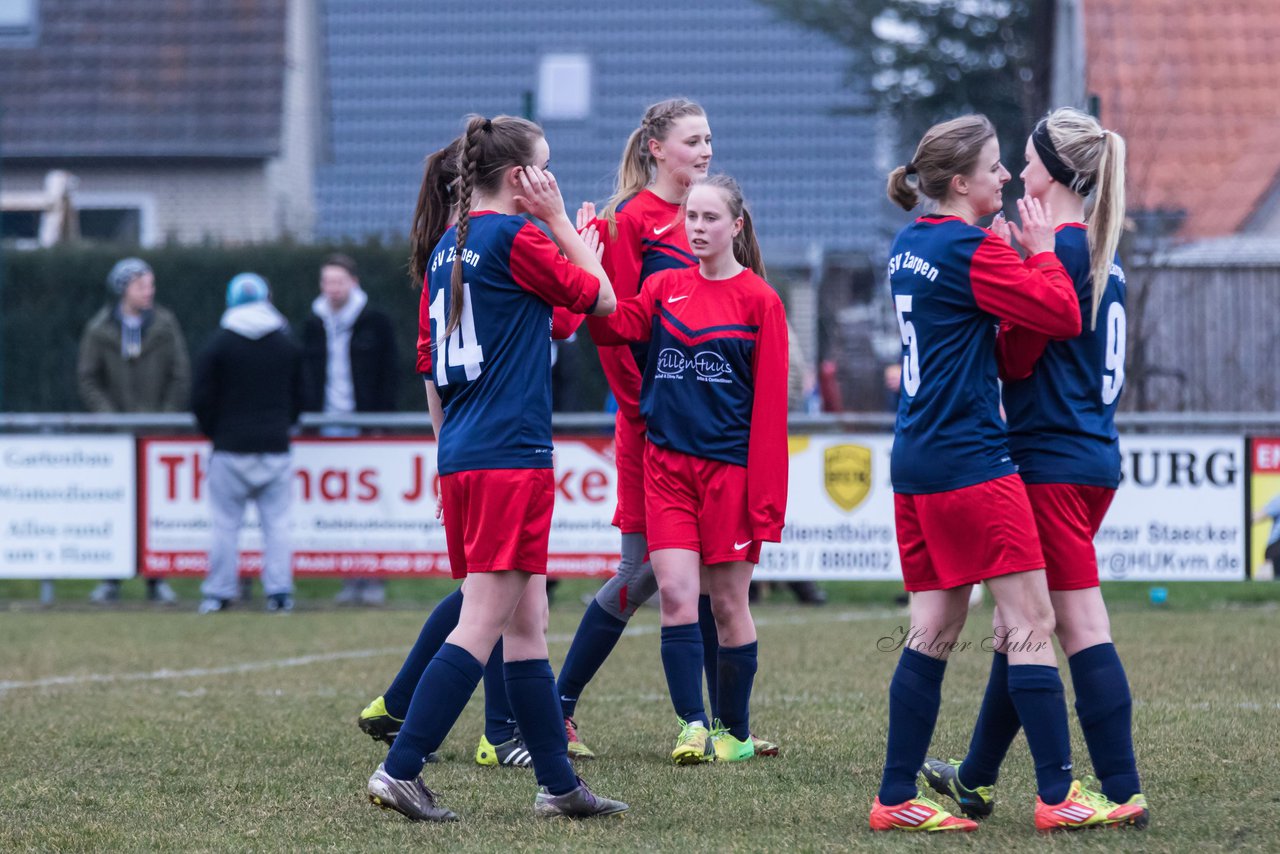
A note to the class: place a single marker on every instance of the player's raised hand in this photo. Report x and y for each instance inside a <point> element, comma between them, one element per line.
<point>540,195</point>
<point>1000,228</point>
<point>591,236</point>
<point>586,216</point>
<point>1036,231</point>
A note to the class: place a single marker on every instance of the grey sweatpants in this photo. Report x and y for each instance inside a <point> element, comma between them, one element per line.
<point>234,480</point>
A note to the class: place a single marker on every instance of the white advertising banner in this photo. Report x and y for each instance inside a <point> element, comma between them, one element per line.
<point>1179,514</point>
<point>839,512</point>
<point>365,506</point>
<point>67,507</point>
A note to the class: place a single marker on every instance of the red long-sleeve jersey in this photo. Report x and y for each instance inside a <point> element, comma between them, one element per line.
<point>715,380</point>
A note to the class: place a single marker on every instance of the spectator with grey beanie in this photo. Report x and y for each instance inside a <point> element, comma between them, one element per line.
<point>247,397</point>
<point>133,358</point>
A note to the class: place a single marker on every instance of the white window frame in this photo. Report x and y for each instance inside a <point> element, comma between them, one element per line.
<point>144,203</point>
<point>564,87</point>
<point>19,22</point>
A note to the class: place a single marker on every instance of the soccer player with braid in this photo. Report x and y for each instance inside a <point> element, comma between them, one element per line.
<point>714,402</point>
<point>961,511</point>
<point>491,282</point>
<point>1061,397</point>
<point>501,744</point>
<point>643,231</point>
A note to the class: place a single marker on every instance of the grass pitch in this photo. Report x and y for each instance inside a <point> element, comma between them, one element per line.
<point>139,728</point>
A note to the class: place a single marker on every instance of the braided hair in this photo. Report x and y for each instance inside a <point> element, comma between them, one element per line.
<point>486,150</point>
<point>636,169</point>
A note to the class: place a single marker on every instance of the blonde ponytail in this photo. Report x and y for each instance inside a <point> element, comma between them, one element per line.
<point>636,168</point>
<point>1097,157</point>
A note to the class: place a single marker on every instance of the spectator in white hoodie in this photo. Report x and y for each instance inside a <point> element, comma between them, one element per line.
<point>247,395</point>
<point>349,365</point>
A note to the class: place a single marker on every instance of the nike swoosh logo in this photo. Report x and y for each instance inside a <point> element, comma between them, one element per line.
<point>677,299</point>
<point>659,231</point>
<point>737,546</point>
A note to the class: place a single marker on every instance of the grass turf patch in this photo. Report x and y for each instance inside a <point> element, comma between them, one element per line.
<point>237,731</point>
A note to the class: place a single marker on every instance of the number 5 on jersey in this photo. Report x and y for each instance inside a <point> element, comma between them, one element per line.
<point>461,349</point>
<point>910,359</point>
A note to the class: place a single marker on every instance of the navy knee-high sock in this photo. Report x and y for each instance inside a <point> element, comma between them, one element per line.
<point>446,685</point>
<point>442,620</point>
<point>737,673</point>
<point>681,660</point>
<point>499,723</point>
<point>995,730</point>
<point>710,652</point>
<point>595,638</point>
<point>1036,691</point>
<point>915,693</point>
<point>1105,708</point>
<point>532,688</point>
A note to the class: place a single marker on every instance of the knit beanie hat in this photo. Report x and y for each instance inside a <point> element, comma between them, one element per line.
<point>124,272</point>
<point>246,288</point>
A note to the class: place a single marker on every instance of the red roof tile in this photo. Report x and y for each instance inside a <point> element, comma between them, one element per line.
<point>1192,86</point>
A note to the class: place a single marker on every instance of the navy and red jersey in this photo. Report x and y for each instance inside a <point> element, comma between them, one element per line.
<point>650,238</point>
<point>715,383</point>
<point>951,284</point>
<point>494,372</point>
<point>1060,396</point>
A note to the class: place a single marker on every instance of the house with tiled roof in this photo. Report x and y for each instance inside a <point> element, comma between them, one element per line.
<point>1192,86</point>
<point>177,121</point>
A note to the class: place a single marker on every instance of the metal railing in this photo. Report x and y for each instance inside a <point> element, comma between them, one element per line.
<point>571,423</point>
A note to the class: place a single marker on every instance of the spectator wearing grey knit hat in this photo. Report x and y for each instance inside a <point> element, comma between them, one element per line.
<point>133,358</point>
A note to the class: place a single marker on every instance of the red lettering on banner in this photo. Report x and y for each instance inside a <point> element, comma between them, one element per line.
<point>197,475</point>
<point>594,486</point>
<point>304,478</point>
<point>331,492</point>
<point>560,485</point>
<point>368,480</point>
<point>170,464</point>
<point>415,491</point>
<point>1266,455</point>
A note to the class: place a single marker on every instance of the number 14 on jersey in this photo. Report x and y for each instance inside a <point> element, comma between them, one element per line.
<point>461,349</point>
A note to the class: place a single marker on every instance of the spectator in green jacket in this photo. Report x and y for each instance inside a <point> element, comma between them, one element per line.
<point>133,358</point>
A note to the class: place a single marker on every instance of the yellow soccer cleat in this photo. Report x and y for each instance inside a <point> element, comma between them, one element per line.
<point>1086,807</point>
<point>693,746</point>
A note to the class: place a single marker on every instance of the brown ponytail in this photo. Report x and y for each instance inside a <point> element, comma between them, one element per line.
<point>636,168</point>
<point>434,209</point>
<point>901,192</point>
<point>947,149</point>
<point>487,149</point>
<point>746,249</point>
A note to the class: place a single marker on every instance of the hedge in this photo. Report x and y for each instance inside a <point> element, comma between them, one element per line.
<point>50,294</point>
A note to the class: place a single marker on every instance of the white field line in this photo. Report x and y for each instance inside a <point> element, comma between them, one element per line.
<point>346,655</point>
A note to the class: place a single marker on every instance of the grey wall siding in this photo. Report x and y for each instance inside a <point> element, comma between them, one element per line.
<point>401,74</point>
<point>1207,340</point>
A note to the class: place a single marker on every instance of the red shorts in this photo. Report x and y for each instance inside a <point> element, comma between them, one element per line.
<point>1068,516</point>
<point>963,536</point>
<point>628,453</point>
<point>498,519</point>
<point>697,504</point>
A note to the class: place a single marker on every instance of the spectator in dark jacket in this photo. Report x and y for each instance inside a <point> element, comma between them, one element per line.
<point>349,357</point>
<point>247,396</point>
<point>133,358</point>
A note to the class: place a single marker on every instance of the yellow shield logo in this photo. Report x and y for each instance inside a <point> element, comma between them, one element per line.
<point>847,474</point>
